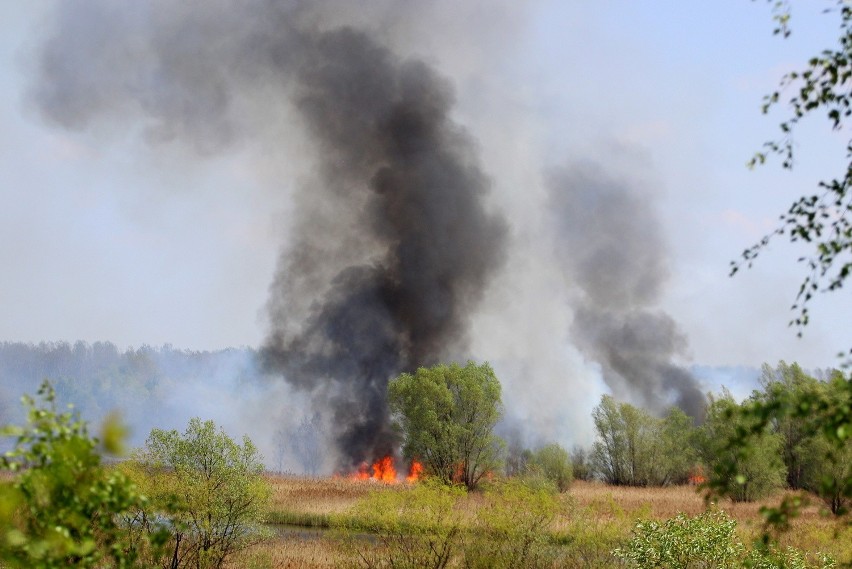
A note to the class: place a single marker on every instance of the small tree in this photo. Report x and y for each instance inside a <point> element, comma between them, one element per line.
<point>206,490</point>
<point>446,415</point>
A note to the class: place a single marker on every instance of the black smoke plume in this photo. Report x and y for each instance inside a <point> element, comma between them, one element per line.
<point>611,247</point>
<point>387,140</point>
<point>392,245</point>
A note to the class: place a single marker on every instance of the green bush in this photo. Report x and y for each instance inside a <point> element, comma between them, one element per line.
<point>512,528</point>
<point>772,557</point>
<point>63,508</point>
<point>553,463</point>
<point>416,527</point>
<point>706,541</point>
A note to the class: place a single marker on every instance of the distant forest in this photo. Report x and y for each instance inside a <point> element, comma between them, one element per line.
<point>149,386</point>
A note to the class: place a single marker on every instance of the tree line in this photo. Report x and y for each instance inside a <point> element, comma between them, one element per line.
<point>731,448</point>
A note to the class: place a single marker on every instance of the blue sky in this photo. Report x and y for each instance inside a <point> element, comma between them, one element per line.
<point>105,238</point>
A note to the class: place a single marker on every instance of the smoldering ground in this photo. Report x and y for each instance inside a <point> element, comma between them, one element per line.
<point>394,244</point>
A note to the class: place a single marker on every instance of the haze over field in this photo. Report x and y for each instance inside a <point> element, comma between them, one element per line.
<point>555,189</point>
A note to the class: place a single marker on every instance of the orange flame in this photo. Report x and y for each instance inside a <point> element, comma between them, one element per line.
<point>696,476</point>
<point>363,472</point>
<point>384,471</point>
<point>414,472</point>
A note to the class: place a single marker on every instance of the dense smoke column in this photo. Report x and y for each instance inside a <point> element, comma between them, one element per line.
<point>610,243</point>
<point>391,245</point>
<point>385,134</point>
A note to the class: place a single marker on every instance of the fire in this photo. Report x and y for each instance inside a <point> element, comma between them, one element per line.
<point>383,470</point>
<point>414,472</point>
<point>363,472</point>
<point>696,476</point>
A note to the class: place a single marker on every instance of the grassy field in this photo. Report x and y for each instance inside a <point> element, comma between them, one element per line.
<point>592,519</point>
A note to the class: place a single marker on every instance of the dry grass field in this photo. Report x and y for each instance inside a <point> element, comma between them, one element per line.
<point>593,518</point>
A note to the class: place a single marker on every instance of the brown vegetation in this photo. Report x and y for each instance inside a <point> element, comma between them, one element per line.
<point>594,518</point>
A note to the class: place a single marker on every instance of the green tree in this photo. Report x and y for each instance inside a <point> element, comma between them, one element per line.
<point>791,382</point>
<point>751,471</point>
<point>446,415</point>
<point>820,219</point>
<point>637,449</point>
<point>553,463</point>
<point>678,452</point>
<point>829,464</point>
<point>63,508</point>
<point>580,464</point>
<point>205,489</point>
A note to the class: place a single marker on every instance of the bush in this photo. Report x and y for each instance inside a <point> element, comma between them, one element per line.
<point>417,527</point>
<point>554,463</point>
<point>512,528</point>
<point>707,540</point>
<point>62,509</point>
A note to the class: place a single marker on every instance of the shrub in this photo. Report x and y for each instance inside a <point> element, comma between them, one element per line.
<point>63,507</point>
<point>554,463</point>
<point>706,541</point>
<point>417,527</point>
<point>512,528</point>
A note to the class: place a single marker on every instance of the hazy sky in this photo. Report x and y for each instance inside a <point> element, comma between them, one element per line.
<point>103,237</point>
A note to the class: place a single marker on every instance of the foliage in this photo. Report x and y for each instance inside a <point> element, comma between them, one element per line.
<point>821,219</point>
<point>773,557</point>
<point>792,382</point>
<point>205,489</point>
<point>707,540</point>
<point>512,528</point>
<point>813,462</point>
<point>808,411</point>
<point>750,471</point>
<point>418,527</point>
<point>634,448</point>
<point>553,463</point>
<point>62,508</point>
<point>446,415</point>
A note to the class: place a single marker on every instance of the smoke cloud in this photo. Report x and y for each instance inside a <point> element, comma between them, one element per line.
<point>392,245</point>
<point>612,249</point>
<point>417,218</point>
